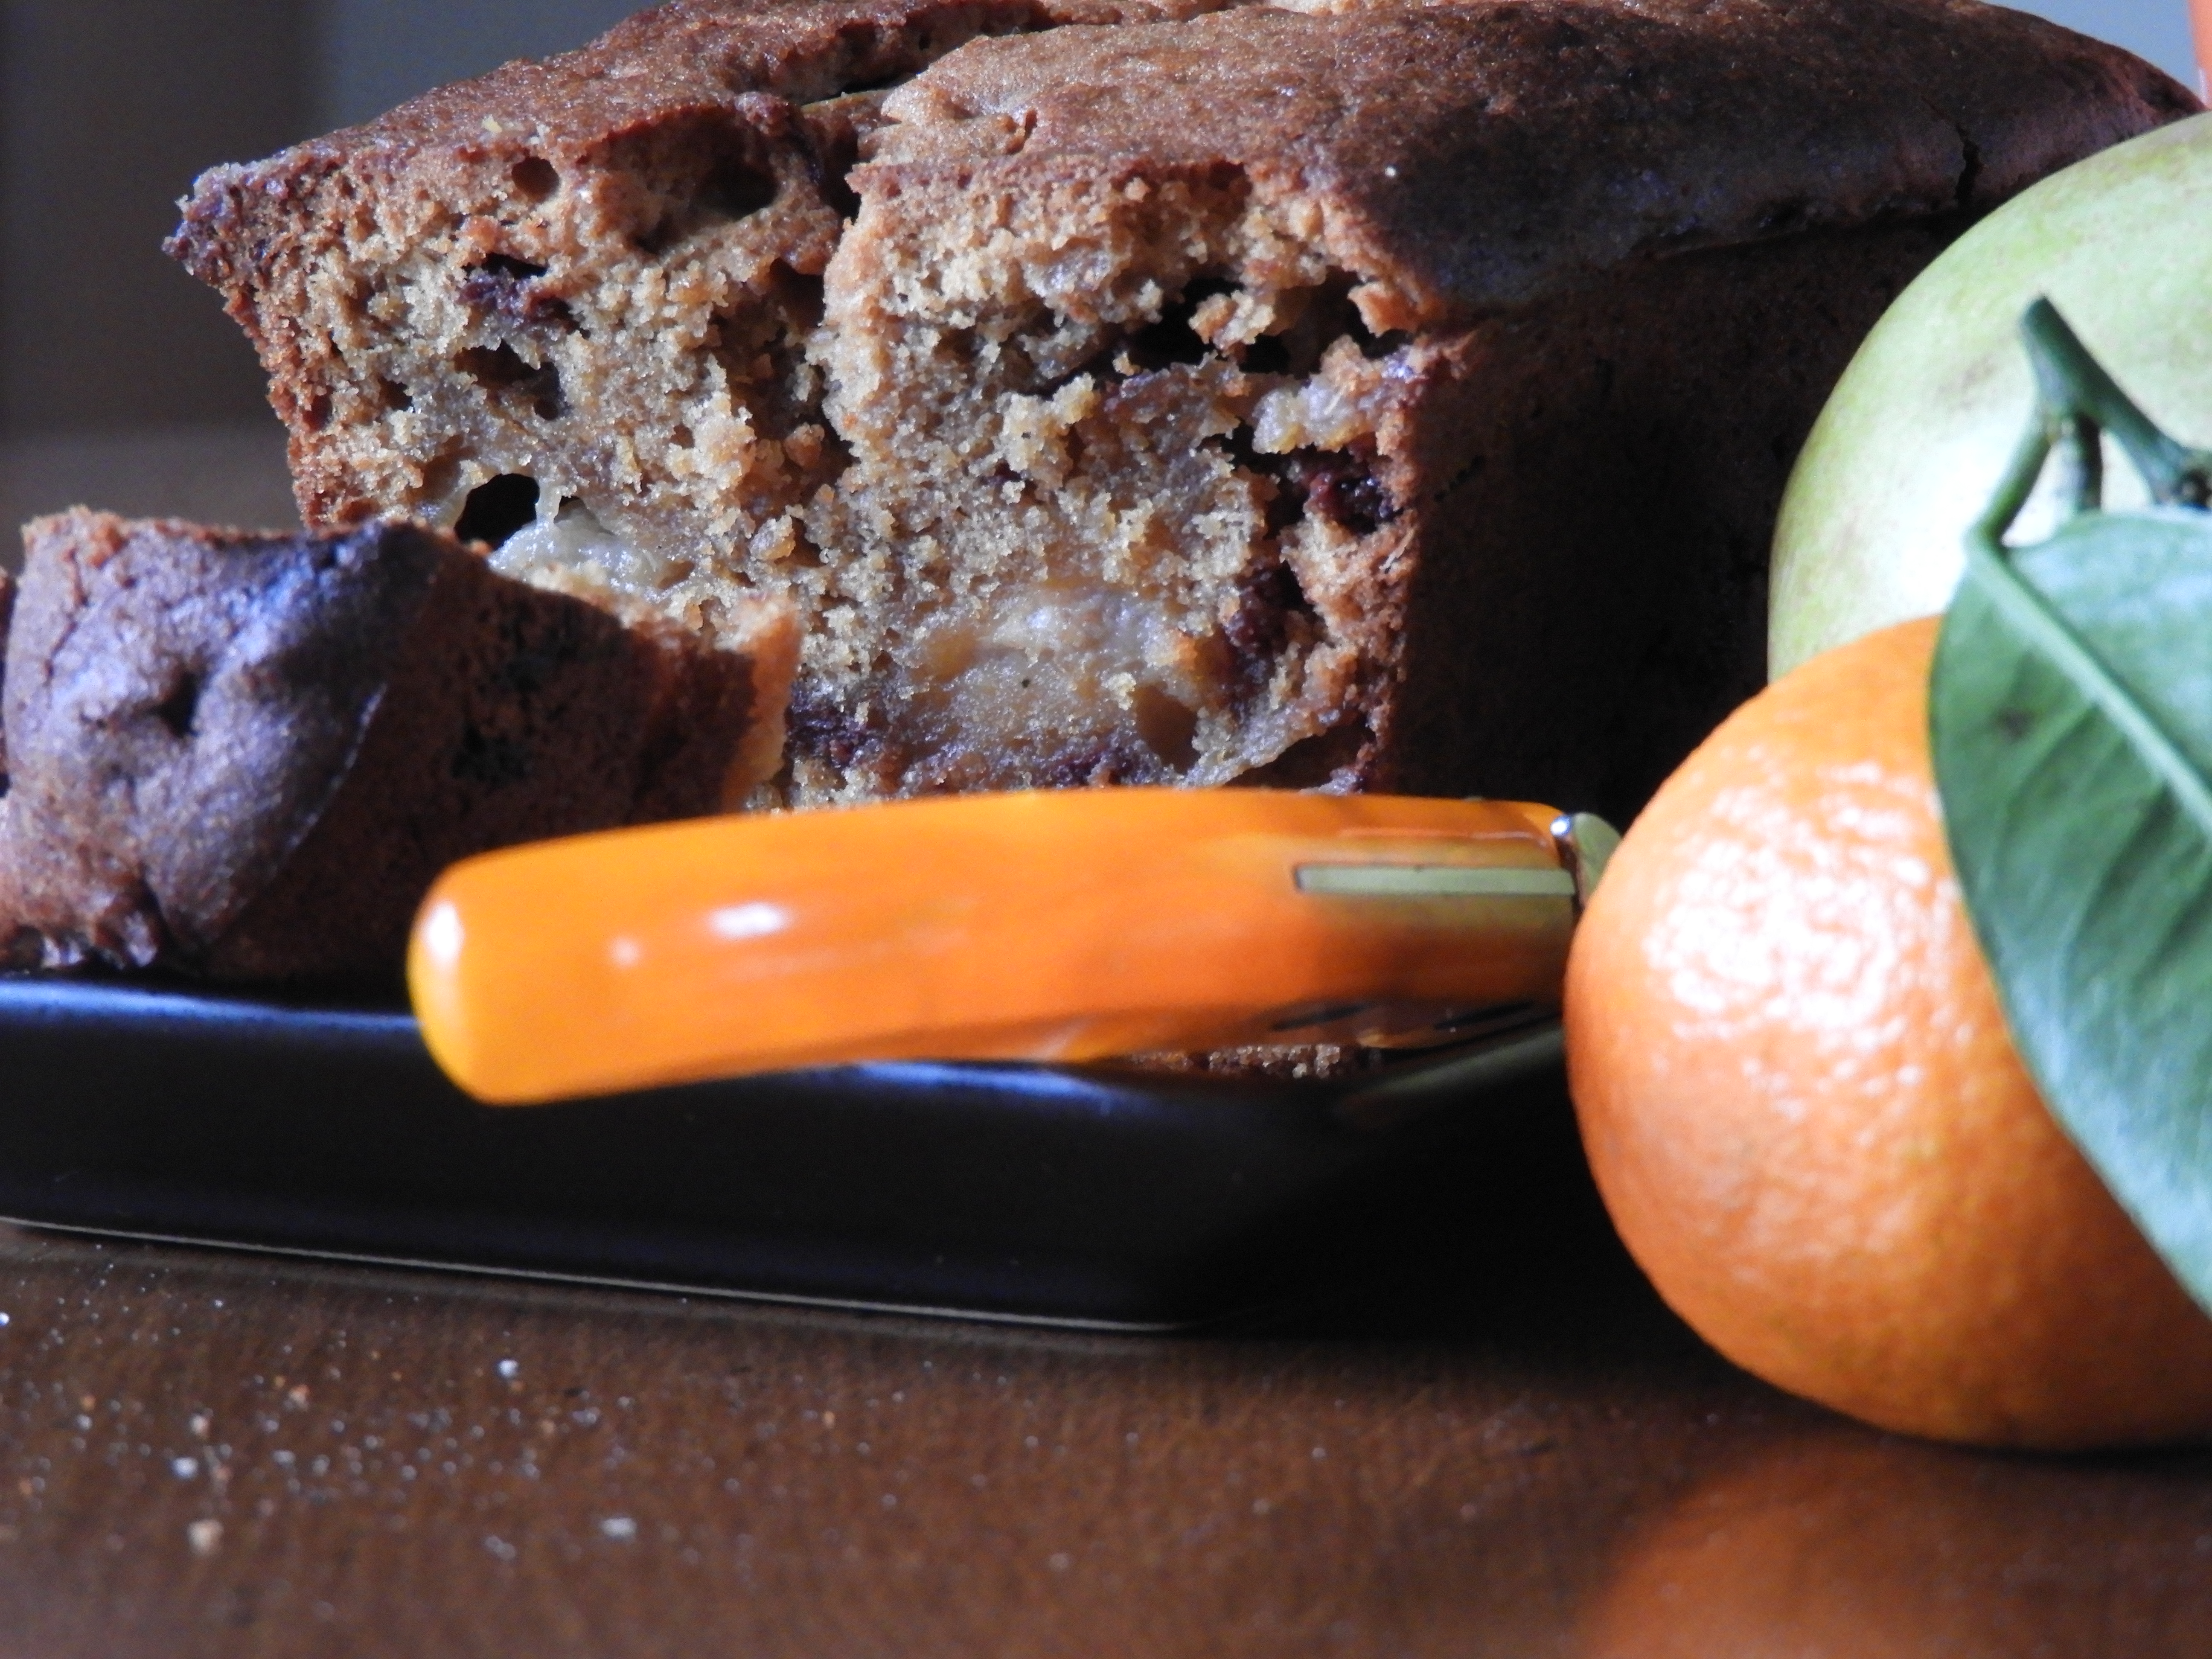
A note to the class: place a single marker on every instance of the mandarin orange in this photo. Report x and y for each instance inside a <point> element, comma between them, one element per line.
<point>1804,1112</point>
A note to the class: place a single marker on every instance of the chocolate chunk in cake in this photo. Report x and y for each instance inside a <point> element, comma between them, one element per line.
<point>1365,396</point>
<point>247,757</point>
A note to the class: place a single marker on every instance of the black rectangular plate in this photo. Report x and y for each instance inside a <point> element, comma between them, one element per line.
<point>1090,1196</point>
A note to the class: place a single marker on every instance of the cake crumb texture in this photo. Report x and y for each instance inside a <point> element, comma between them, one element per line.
<point>1140,393</point>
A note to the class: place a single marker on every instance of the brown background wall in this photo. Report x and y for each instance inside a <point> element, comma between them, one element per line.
<point>107,109</point>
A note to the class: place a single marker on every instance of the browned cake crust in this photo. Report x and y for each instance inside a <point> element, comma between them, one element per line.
<point>1370,396</point>
<point>247,757</point>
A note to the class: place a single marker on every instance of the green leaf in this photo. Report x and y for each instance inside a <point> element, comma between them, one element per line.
<point>2071,714</point>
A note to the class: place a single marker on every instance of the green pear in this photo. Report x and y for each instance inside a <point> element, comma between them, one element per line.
<point>1910,449</point>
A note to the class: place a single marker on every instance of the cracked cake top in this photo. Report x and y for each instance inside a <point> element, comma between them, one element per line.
<point>1471,152</point>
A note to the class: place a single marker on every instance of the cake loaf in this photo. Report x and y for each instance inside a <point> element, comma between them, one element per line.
<point>246,757</point>
<point>1357,396</point>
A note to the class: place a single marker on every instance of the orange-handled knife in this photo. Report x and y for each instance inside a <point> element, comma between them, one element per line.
<point>1062,925</point>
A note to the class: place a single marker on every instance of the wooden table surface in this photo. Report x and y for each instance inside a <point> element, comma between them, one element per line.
<point>1504,1446</point>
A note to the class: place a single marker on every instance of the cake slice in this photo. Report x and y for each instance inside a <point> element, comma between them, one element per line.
<point>247,757</point>
<point>1362,396</point>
